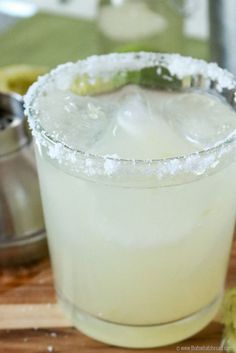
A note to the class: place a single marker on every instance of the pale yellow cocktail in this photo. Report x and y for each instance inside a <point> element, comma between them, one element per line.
<point>136,163</point>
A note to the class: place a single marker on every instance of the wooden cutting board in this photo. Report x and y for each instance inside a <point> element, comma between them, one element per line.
<point>31,321</point>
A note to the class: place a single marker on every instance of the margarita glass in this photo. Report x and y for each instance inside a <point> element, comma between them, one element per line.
<point>139,229</point>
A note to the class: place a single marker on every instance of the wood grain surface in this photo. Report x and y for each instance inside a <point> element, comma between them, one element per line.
<point>31,321</point>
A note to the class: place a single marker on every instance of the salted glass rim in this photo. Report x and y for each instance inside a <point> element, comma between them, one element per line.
<point>178,66</point>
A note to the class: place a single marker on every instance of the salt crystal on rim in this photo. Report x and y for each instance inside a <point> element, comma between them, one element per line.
<point>106,66</point>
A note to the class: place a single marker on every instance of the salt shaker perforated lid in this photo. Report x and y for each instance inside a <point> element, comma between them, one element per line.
<point>22,232</point>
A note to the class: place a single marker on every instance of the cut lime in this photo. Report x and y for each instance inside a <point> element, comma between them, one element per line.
<point>152,77</point>
<point>18,78</point>
<point>84,85</point>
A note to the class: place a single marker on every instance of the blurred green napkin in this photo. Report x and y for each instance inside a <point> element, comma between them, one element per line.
<point>48,40</point>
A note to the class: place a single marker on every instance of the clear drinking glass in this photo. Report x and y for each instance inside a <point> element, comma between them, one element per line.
<point>134,25</point>
<point>139,248</point>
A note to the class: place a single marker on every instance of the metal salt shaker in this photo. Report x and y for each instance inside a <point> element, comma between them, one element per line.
<point>22,232</point>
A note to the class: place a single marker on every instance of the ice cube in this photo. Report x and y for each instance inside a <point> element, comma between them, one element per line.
<point>133,112</point>
<point>76,121</point>
<point>202,119</point>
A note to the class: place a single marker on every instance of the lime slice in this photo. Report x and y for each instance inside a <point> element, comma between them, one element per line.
<point>18,78</point>
<point>147,77</point>
<point>228,318</point>
<point>84,85</point>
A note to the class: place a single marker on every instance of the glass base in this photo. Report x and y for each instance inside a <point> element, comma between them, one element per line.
<point>140,336</point>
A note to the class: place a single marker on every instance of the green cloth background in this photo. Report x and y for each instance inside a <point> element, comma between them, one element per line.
<point>50,39</point>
